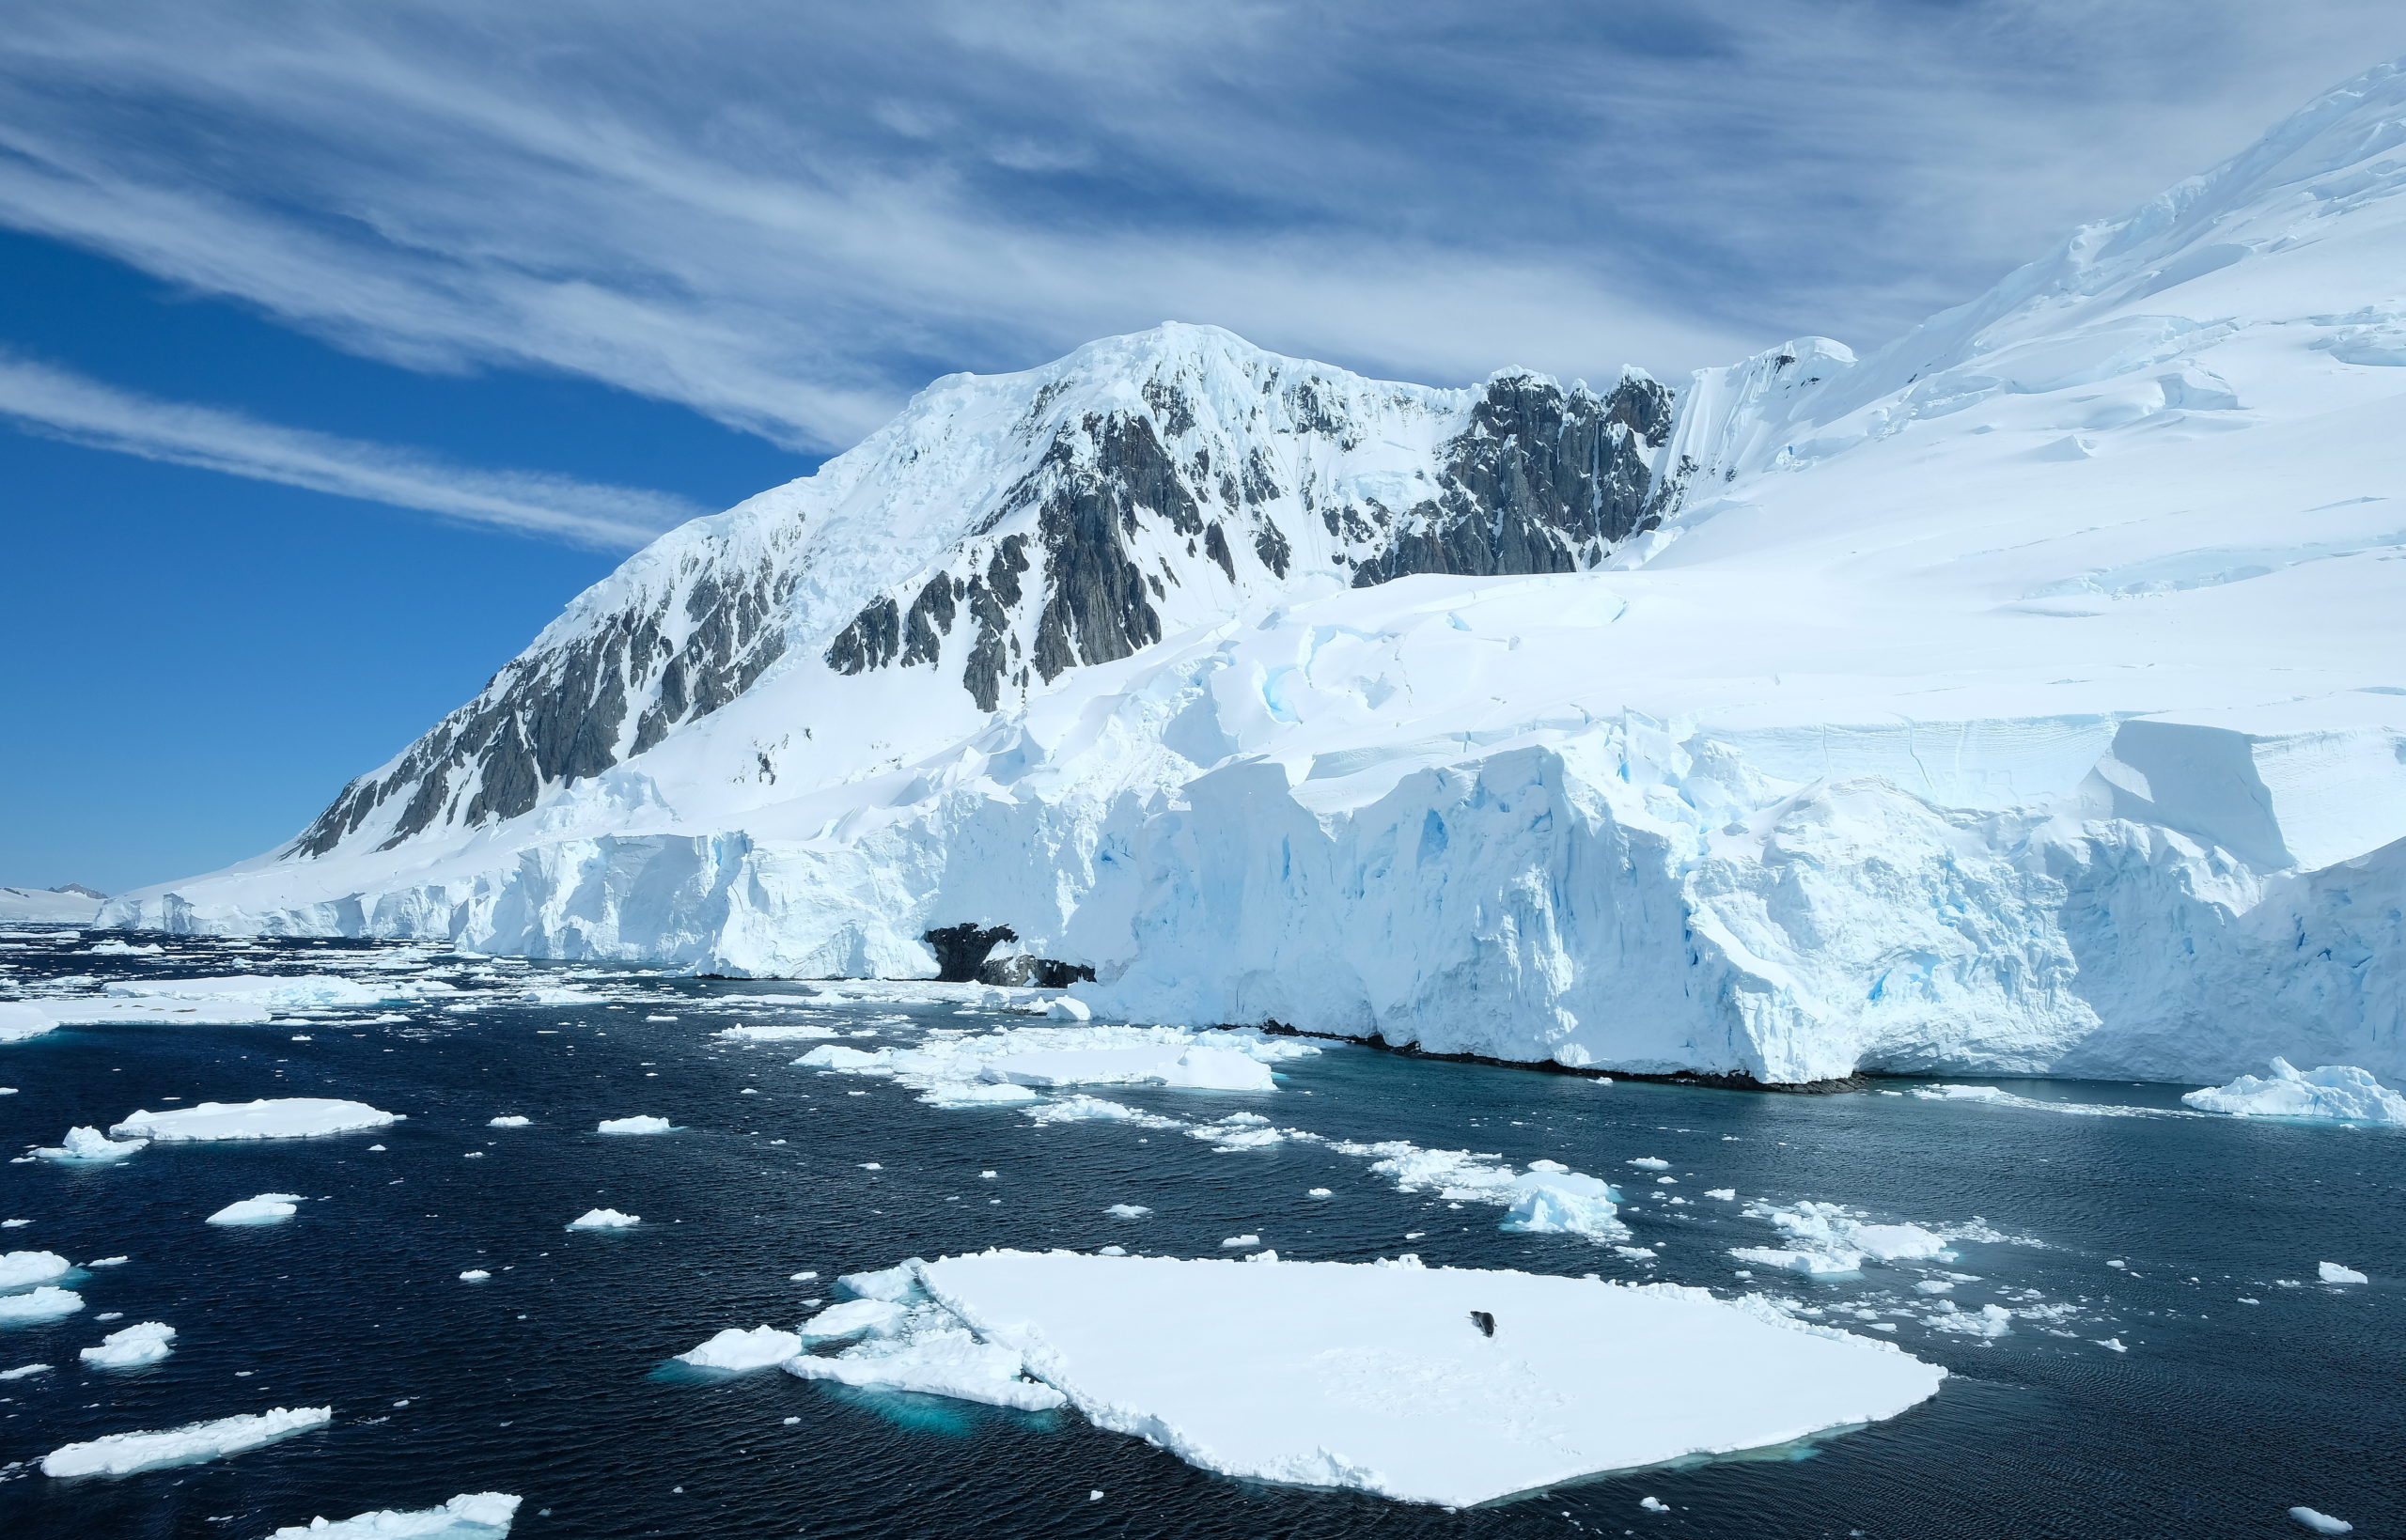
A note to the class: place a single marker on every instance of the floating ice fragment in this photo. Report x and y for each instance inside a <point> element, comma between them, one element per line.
<point>2115,1344</point>
<point>90,1147</point>
<point>45,1304</point>
<point>1562,1202</point>
<point>1649,1162</point>
<point>2332,1272</point>
<point>2334,1093</point>
<point>633,1125</point>
<point>1319,1193</point>
<point>852,1319</point>
<point>737,1351</point>
<point>2320,1523</point>
<point>1128,1210</point>
<point>1242,1241</point>
<point>1066,1009</point>
<point>267,1208</point>
<point>604,1219</point>
<point>131,1347</point>
<point>471,1516</point>
<point>289,1118</point>
<point>23,1370</point>
<point>22,1269</point>
<point>474,1275</point>
<point>1653,1505</point>
<point>1726,1194</point>
<point>509,1122</point>
<point>19,1021</point>
<point>123,1453</point>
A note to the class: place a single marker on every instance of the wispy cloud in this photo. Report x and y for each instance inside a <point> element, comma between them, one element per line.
<point>787,217</point>
<point>59,404</point>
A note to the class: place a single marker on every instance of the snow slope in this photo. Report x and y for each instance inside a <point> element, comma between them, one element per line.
<point>2025,697</point>
<point>72,905</point>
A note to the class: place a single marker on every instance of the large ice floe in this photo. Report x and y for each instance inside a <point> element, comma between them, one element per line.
<point>19,1023</point>
<point>471,1516</point>
<point>1424,1384</point>
<point>23,1269</point>
<point>2334,1093</point>
<point>282,1117</point>
<point>2024,697</point>
<point>123,1453</point>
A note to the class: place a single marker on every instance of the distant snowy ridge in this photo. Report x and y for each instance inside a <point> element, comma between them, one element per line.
<point>2025,697</point>
<point>70,905</point>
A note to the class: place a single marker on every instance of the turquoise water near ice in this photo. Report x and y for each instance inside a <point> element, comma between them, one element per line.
<point>547,1382</point>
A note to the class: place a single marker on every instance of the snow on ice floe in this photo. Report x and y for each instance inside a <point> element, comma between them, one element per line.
<point>286,1117</point>
<point>1377,1377</point>
<point>90,1147</point>
<point>2332,1272</point>
<point>2334,1093</point>
<point>19,1022</point>
<point>90,1010</point>
<point>853,1318</point>
<point>736,1351</point>
<point>1195,1067</point>
<point>949,1070</point>
<point>46,1303</point>
<point>123,1453</point>
<point>23,1269</point>
<point>471,1516</point>
<point>634,1125</point>
<point>146,1342</point>
<point>604,1219</point>
<point>267,1208</point>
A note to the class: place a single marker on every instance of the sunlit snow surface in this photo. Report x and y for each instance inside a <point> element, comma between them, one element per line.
<point>1376,1376</point>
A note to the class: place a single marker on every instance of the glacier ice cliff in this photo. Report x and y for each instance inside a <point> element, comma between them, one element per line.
<point>2025,697</point>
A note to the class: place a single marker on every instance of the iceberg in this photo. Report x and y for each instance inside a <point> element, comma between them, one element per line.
<point>2334,1093</point>
<point>2332,1272</point>
<point>737,1350</point>
<point>604,1219</point>
<point>287,1118</point>
<point>90,1147</point>
<point>267,1208</point>
<point>1381,1378</point>
<point>633,1125</point>
<point>123,1453</point>
<point>135,1345</point>
<point>471,1516</point>
<point>46,1303</point>
<point>23,1269</point>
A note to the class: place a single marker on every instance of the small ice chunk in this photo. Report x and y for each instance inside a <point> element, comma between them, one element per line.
<point>471,1516</point>
<point>1066,1009</point>
<point>800,1277</point>
<point>634,1124</point>
<point>1653,1504</point>
<point>1563,1202</point>
<point>1934,1285</point>
<point>930,1352</point>
<point>46,1303</point>
<point>1234,1241</point>
<point>2112,1344</point>
<point>474,1275</point>
<point>604,1219</point>
<point>1649,1162</point>
<point>1128,1210</point>
<point>267,1208</point>
<point>836,1056</point>
<point>2334,1093</point>
<point>739,1351</point>
<point>509,1122</point>
<point>1726,1194</point>
<point>25,1370</point>
<point>1319,1193</point>
<point>122,1454</point>
<point>131,1347</point>
<point>287,1118</point>
<point>19,1269</point>
<point>852,1319</point>
<point>776,1035</point>
<point>90,1147</point>
<point>2332,1272</point>
<point>2320,1523</point>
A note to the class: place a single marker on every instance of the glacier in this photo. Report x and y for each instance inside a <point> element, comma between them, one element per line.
<point>2025,697</point>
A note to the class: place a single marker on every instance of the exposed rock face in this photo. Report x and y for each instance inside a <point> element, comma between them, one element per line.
<point>961,950</point>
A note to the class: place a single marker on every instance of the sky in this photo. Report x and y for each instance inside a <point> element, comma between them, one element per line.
<point>340,344</point>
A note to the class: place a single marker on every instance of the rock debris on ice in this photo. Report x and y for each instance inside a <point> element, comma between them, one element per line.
<point>123,1453</point>
<point>471,1516</point>
<point>2334,1093</point>
<point>267,1208</point>
<point>289,1118</point>
<point>135,1345</point>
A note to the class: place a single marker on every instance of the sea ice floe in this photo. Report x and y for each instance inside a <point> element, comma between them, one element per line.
<point>1268,1371</point>
<point>634,1125</point>
<point>1084,1108</point>
<point>287,993</point>
<point>474,1275</point>
<point>24,1371</point>
<point>123,1453</point>
<point>135,1345</point>
<point>2320,1523</point>
<point>102,1010</point>
<point>1829,1240</point>
<point>46,1303</point>
<point>737,1350</point>
<point>1651,1162</point>
<point>2332,1272</point>
<point>776,1033</point>
<point>1562,1202</point>
<point>23,1269</point>
<point>850,1059</point>
<point>1128,1210</point>
<point>1993,1096</point>
<point>287,1118</point>
<point>19,1021</point>
<point>511,1121</point>
<point>90,1146</point>
<point>2334,1093</point>
<point>267,1208</point>
<point>852,1319</point>
<point>604,1219</point>
<point>471,1516</point>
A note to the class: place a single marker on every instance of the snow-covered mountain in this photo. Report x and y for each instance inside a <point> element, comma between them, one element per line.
<point>2025,697</point>
<point>72,905</point>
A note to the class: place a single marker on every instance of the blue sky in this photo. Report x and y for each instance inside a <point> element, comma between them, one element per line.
<point>342,343</point>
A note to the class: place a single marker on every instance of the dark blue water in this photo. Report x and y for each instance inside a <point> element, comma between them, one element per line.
<point>547,1381</point>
